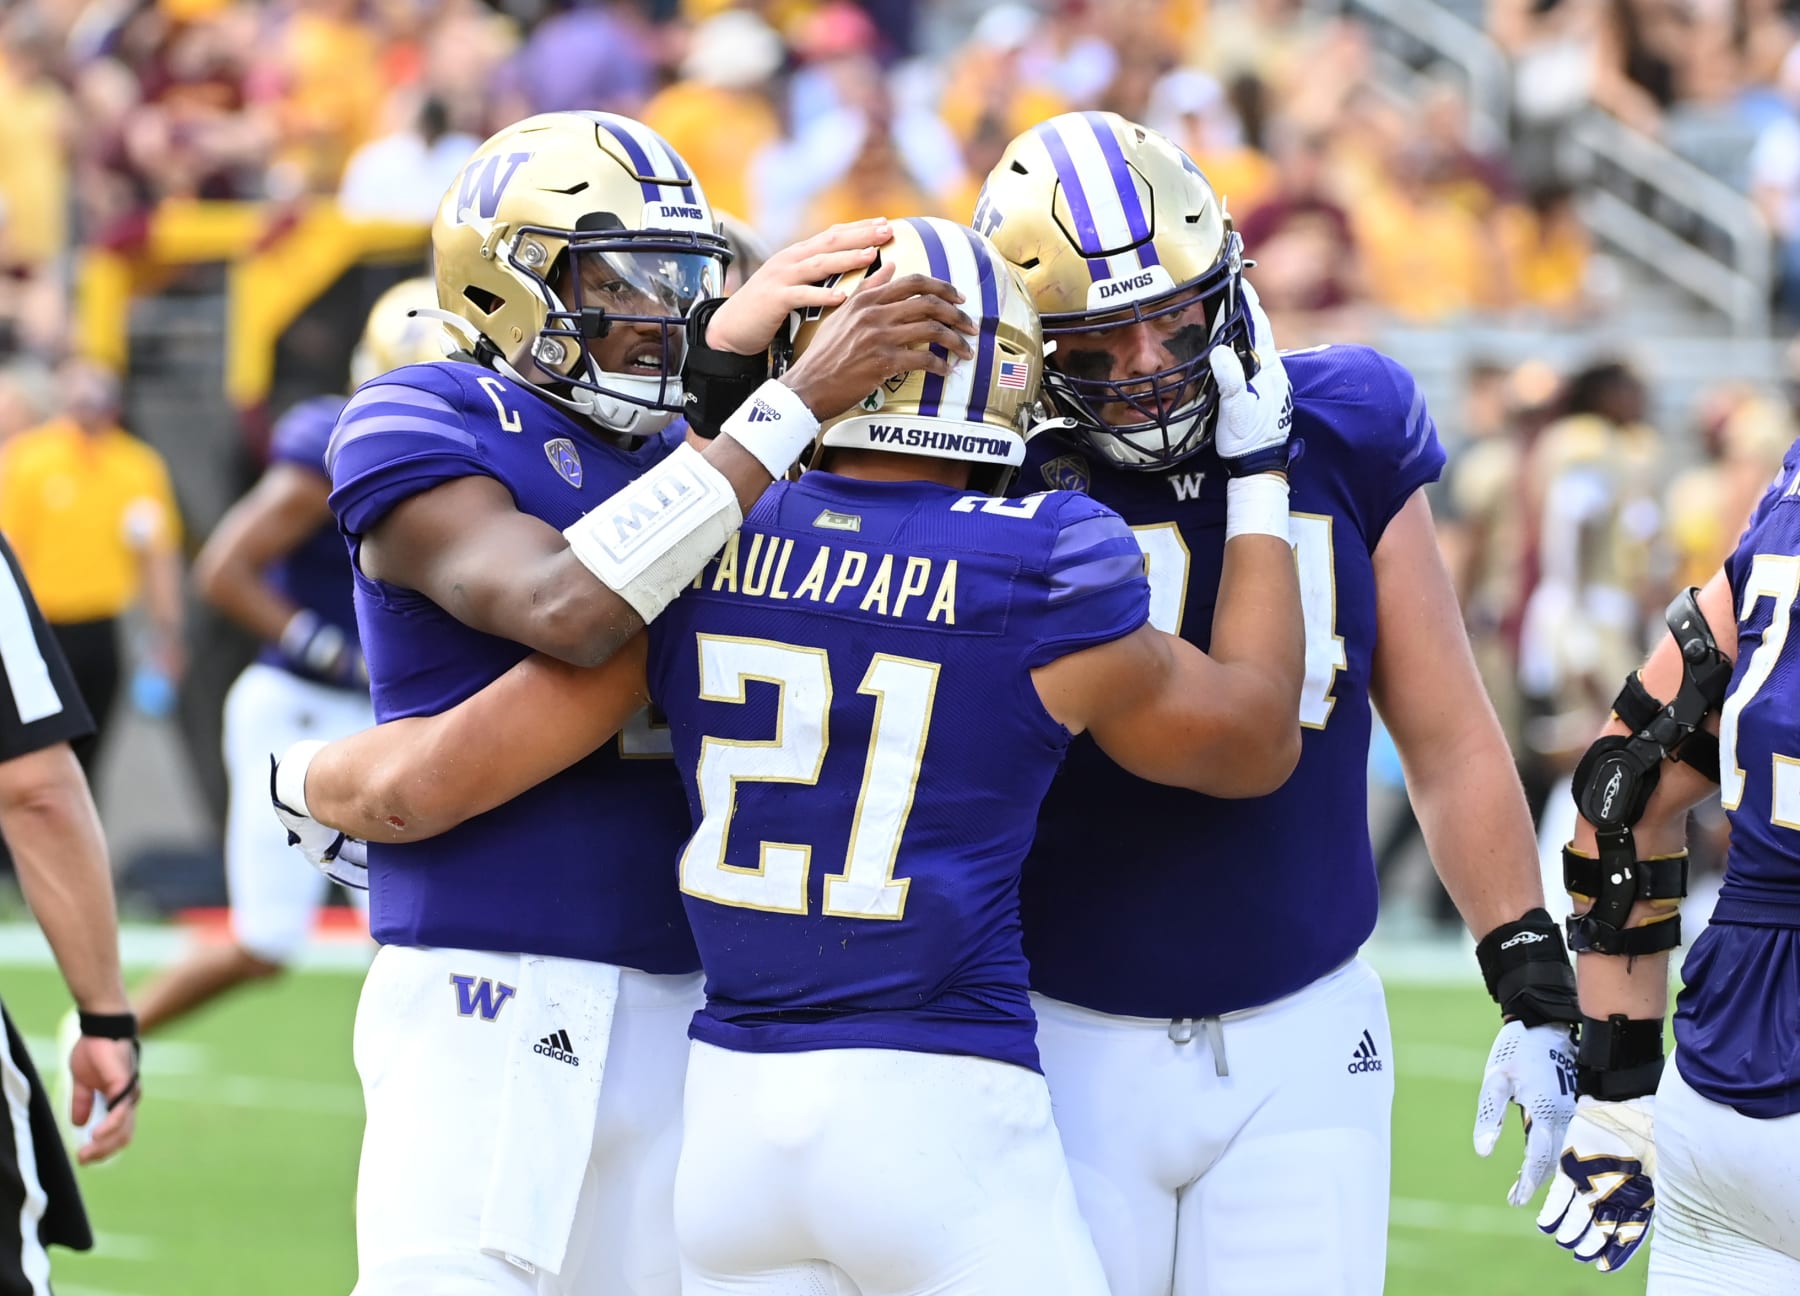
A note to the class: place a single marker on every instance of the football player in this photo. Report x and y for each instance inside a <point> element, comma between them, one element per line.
<point>868,691</point>
<point>1710,1145</point>
<point>1219,1055</point>
<point>276,565</point>
<point>532,969</point>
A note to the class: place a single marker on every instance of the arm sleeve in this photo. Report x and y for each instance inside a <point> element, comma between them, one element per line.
<point>1093,588</point>
<point>394,440</point>
<point>39,704</point>
<point>1405,445</point>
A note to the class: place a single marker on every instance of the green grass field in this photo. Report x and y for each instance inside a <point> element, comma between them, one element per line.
<point>242,1177</point>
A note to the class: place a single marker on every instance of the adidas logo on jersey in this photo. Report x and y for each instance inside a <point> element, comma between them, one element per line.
<point>1365,1058</point>
<point>556,1045</point>
<point>761,412</point>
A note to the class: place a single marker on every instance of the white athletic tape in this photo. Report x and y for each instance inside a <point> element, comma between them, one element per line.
<point>647,541</point>
<point>1257,505</point>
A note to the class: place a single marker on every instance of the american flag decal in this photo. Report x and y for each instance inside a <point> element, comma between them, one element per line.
<point>1013,373</point>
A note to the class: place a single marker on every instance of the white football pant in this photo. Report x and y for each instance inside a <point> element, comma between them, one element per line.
<point>844,1170</point>
<point>464,1107</point>
<point>275,893</point>
<point>1727,1198</point>
<point>1270,1179</point>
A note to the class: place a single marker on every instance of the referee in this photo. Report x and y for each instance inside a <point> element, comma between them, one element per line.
<point>51,827</point>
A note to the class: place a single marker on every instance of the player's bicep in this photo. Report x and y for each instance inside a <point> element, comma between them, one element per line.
<point>415,778</point>
<point>464,545</point>
<point>1158,707</point>
<point>1423,679</point>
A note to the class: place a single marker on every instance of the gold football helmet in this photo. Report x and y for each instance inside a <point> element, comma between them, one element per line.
<point>396,333</point>
<point>986,408</point>
<point>569,252</point>
<point>1114,227</point>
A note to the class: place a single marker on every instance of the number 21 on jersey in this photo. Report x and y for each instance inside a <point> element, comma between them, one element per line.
<point>1167,560</point>
<point>903,688</point>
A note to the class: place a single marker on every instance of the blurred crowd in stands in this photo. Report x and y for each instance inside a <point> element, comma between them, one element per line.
<point>1566,521</point>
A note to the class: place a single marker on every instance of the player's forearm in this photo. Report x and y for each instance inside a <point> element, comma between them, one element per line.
<point>1466,794</point>
<point>241,593</point>
<point>1258,637</point>
<point>391,784</point>
<point>59,853</point>
<point>1617,983</point>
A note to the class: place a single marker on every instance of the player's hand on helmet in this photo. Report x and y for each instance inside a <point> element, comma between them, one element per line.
<point>793,280</point>
<point>887,327</point>
<point>1255,414</point>
<point>1534,1068</point>
<point>340,857</point>
<point>1604,1192</point>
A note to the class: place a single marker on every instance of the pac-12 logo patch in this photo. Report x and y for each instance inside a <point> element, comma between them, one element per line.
<point>565,459</point>
<point>1066,472</point>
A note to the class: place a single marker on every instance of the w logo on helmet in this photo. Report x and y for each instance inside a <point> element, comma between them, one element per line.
<point>484,181</point>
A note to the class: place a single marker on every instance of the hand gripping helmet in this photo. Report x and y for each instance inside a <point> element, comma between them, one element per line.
<point>1113,227</point>
<point>986,408</point>
<point>572,233</point>
<point>396,333</point>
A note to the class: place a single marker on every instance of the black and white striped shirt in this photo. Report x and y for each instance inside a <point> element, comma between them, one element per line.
<point>39,703</point>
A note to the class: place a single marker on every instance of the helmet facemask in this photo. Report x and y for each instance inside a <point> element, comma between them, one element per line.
<point>1154,420</point>
<point>615,326</point>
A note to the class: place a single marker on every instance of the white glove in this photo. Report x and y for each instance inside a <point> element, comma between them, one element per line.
<point>342,858</point>
<point>1601,1200</point>
<point>1533,1066</point>
<point>1255,415</point>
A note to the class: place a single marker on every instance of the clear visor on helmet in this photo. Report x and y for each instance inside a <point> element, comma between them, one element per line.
<point>1138,380</point>
<point>619,304</point>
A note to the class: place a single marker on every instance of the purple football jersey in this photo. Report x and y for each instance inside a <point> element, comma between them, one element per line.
<point>1149,901</point>
<point>316,573</point>
<point>1737,1020</point>
<point>583,865</point>
<point>848,688</point>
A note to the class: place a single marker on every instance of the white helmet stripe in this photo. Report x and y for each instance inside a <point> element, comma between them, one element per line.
<point>959,254</point>
<point>1098,184</point>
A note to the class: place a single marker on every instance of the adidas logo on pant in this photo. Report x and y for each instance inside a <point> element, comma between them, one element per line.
<point>1365,1058</point>
<point>556,1045</point>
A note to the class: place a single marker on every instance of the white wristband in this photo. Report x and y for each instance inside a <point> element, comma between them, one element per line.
<point>1257,505</point>
<point>648,540</point>
<point>290,774</point>
<point>774,425</point>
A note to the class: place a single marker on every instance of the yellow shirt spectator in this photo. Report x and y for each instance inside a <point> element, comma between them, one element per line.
<point>34,171</point>
<point>718,131</point>
<point>80,510</point>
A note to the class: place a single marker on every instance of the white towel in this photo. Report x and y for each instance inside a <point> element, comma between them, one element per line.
<point>548,1105</point>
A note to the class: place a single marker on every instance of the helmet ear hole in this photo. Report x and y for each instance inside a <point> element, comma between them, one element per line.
<point>483,300</point>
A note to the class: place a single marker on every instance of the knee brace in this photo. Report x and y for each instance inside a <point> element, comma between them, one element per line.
<point>1614,782</point>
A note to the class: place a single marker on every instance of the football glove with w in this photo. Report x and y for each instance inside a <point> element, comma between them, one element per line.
<point>1604,1193</point>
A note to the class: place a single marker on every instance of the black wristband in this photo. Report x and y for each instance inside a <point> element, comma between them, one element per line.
<point>113,1026</point>
<point>1619,1058</point>
<point>1526,967</point>
<point>716,382</point>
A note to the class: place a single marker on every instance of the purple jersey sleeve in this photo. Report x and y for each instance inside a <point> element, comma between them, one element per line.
<point>1093,587</point>
<point>401,434</point>
<point>1737,562</point>
<point>303,433</point>
<point>1405,441</point>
